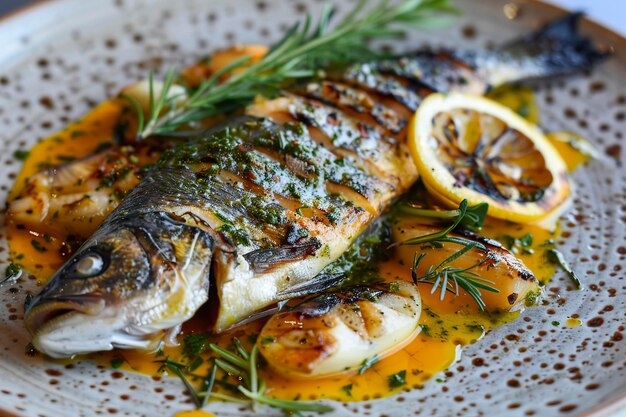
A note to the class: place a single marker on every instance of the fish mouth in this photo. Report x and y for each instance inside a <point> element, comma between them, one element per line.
<point>49,312</point>
<point>68,327</point>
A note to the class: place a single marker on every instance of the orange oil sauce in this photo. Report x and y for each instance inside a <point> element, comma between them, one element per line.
<point>429,353</point>
<point>77,140</point>
<point>194,413</point>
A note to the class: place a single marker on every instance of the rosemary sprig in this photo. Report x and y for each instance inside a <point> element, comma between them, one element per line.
<point>304,49</point>
<point>449,278</point>
<point>446,277</point>
<point>242,364</point>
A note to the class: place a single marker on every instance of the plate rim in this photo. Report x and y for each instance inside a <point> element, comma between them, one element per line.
<point>606,409</point>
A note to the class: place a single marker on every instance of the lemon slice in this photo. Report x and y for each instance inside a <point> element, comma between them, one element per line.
<point>469,147</point>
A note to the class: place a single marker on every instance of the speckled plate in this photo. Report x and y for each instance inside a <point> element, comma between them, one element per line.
<point>59,58</point>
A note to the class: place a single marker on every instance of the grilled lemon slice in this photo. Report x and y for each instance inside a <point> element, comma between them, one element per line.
<point>469,147</point>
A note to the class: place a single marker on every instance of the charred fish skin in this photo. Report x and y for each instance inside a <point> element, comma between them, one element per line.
<point>264,203</point>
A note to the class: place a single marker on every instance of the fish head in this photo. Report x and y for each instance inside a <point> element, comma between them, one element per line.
<point>129,286</point>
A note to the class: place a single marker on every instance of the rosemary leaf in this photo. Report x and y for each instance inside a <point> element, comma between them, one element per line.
<point>230,357</point>
<point>557,256</point>
<point>287,405</point>
<point>190,388</point>
<point>367,363</point>
<point>209,382</point>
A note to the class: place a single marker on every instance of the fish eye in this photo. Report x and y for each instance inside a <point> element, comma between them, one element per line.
<point>89,265</point>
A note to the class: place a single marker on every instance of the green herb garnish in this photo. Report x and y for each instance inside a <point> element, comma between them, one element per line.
<point>38,246</point>
<point>240,363</point>
<point>11,273</point>
<point>397,380</point>
<point>367,364</point>
<point>194,344</point>
<point>473,217</point>
<point>117,362</point>
<point>557,256</point>
<point>449,278</point>
<point>521,244</point>
<point>21,155</point>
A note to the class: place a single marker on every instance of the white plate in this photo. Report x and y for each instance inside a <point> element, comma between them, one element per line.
<point>78,52</point>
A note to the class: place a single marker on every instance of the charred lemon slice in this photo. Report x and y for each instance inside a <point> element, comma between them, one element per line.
<point>469,147</point>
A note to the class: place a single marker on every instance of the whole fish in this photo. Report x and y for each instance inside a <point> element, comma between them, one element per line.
<point>249,212</point>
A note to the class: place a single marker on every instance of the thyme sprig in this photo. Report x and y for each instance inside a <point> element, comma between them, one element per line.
<point>242,364</point>
<point>446,277</point>
<point>305,49</point>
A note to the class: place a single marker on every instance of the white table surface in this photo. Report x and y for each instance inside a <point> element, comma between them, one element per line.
<point>611,13</point>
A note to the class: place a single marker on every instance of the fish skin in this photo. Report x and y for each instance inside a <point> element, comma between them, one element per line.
<point>251,205</point>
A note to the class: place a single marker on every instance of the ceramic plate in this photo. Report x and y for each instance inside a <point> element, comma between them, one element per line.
<point>61,57</point>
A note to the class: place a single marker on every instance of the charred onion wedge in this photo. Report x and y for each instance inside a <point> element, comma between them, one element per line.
<point>336,332</point>
<point>514,284</point>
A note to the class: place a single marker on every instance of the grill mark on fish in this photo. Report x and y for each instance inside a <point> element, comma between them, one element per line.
<point>356,102</point>
<point>385,86</point>
<point>439,71</point>
<point>381,156</point>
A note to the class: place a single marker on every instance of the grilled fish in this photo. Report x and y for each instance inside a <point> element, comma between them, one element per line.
<point>250,211</point>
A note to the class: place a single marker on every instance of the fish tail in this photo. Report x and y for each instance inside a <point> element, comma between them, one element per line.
<point>557,48</point>
<point>561,44</point>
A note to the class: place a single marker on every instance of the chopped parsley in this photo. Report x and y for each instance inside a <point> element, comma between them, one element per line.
<point>521,244</point>
<point>12,272</point>
<point>194,344</point>
<point>21,155</point>
<point>117,362</point>
<point>397,380</point>
<point>38,246</point>
<point>425,329</point>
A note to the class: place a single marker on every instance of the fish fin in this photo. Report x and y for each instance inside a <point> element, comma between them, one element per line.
<point>265,259</point>
<point>316,285</point>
